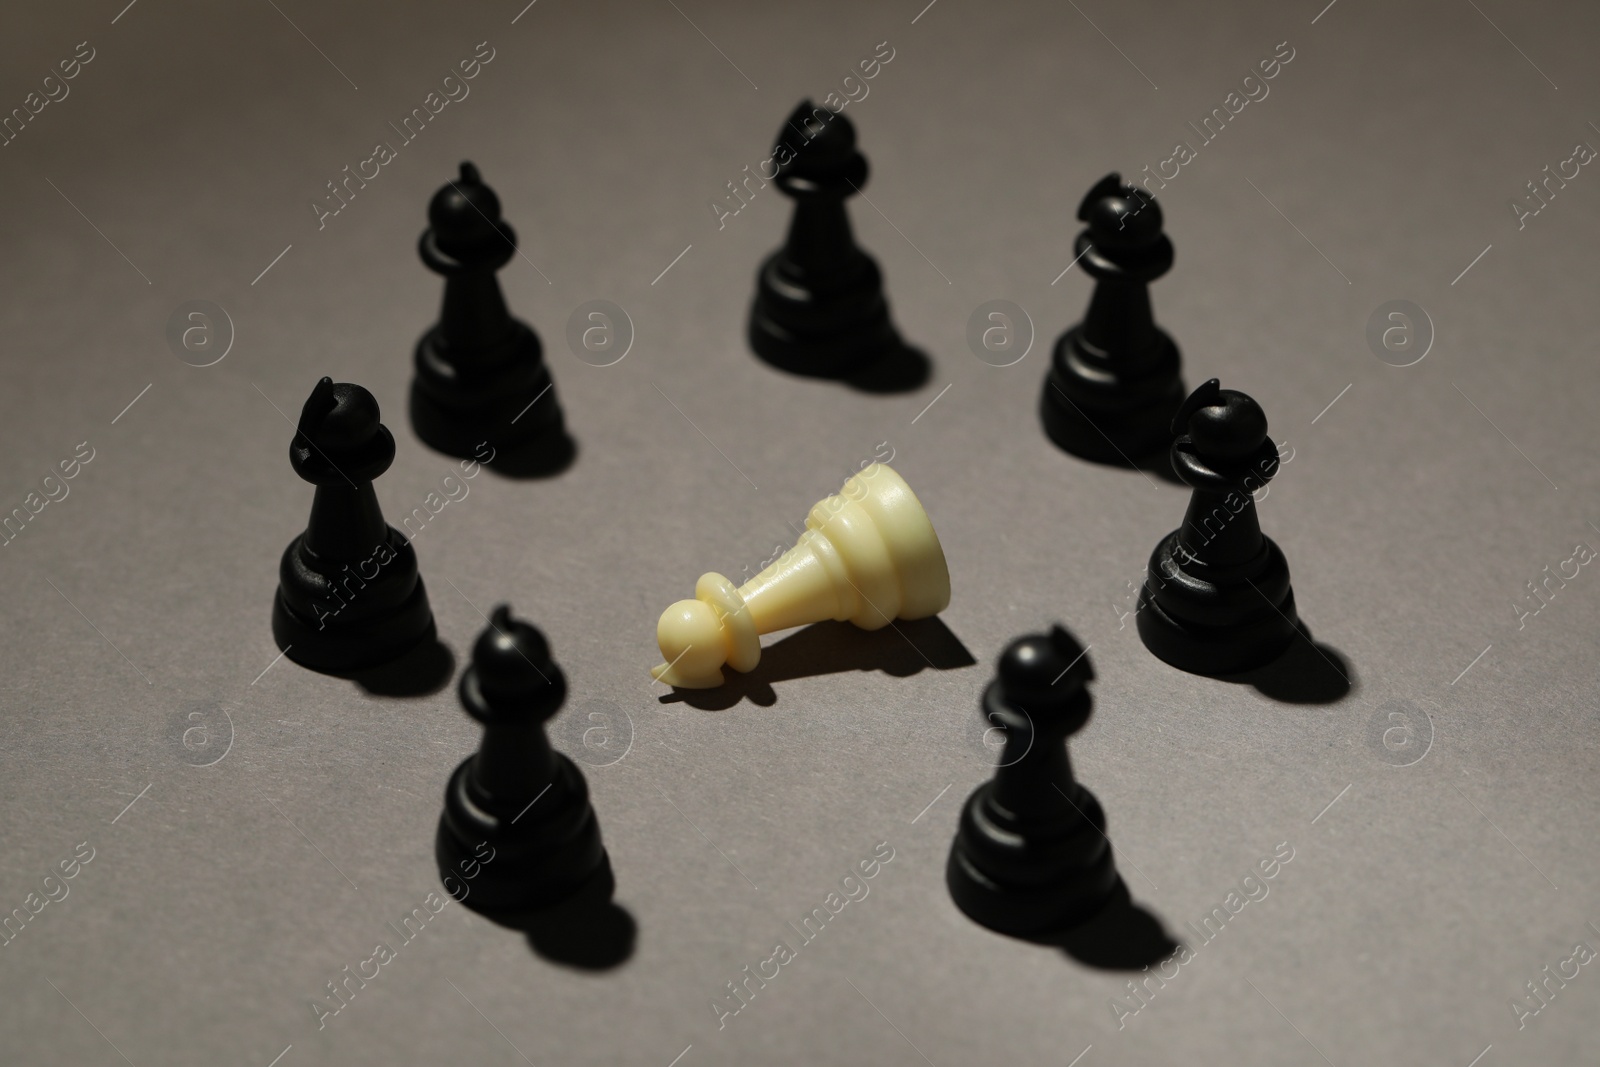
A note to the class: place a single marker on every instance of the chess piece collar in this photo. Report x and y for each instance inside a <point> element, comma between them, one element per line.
<point>465,231</point>
<point>1221,438</point>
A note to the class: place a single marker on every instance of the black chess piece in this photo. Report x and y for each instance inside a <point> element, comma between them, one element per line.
<point>481,384</point>
<point>1115,381</point>
<point>1217,598</point>
<point>518,833</point>
<point>1031,856</point>
<point>349,596</point>
<point>819,308</point>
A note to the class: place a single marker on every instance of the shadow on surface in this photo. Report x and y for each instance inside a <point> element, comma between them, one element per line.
<point>1308,672</point>
<point>424,670</point>
<point>1159,466</point>
<point>588,930</point>
<point>903,370</point>
<point>1156,465</point>
<point>1121,936</point>
<point>901,649</point>
<point>536,459</point>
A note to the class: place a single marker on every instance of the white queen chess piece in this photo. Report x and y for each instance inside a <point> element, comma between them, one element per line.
<point>868,555</point>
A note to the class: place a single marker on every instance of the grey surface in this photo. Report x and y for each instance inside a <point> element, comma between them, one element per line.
<point>219,904</point>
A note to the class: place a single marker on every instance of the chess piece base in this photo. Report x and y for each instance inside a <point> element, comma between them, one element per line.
<point>542,855</point>
<point>508,403</point>
<point>1108,416</point>
<point>1014,883</point>
<point>1255,614</point>
<point>335,649</point>
<point>818,333</point>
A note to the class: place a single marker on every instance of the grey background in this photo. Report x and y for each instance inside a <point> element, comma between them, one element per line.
<point>219,904</point>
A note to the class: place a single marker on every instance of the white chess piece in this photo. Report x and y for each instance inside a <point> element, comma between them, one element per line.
<point>868,554</point>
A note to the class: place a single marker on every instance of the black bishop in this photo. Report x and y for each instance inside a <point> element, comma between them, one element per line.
<point>819,308</point>
<point>481,384</point>
<point>1217,598</point>
<point>518,832</point>
<point>349,596</point>
<point>1115,381</point>
<point>1031,856</point>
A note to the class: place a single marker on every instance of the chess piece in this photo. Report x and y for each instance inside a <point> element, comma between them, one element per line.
<point>518,832</point>
<point>1031,856</point>
<point>1217,598</point>
<point>819,308</point>
<point>349,596</point>
<point>481,382</point>
<point>868,554</point>
<point>1114,381</point>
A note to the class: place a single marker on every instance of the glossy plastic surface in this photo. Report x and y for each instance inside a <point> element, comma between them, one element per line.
<point>868,555</point>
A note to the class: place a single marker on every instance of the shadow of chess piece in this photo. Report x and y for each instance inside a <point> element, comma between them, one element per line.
<point>587,930</point>
<point>1114,380</point>
<point>1120,936</point>
<point>423,671</point>
<point>819,308</point>
<point>517,813</point>
<point>1308,672</point>
<point>1031,856</point>
<point>349,596</point>
<point>1216,599</point>
<point>481,384</point>
<point>901,651</point>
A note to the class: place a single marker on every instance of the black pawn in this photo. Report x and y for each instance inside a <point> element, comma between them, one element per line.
<point>518,833</point>
<point>1217,598</point>
<point>1031,856</point>
<point>349,596</point>
<point>819,307</point>
<point>481,382</point>
<point>1115,381</point>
